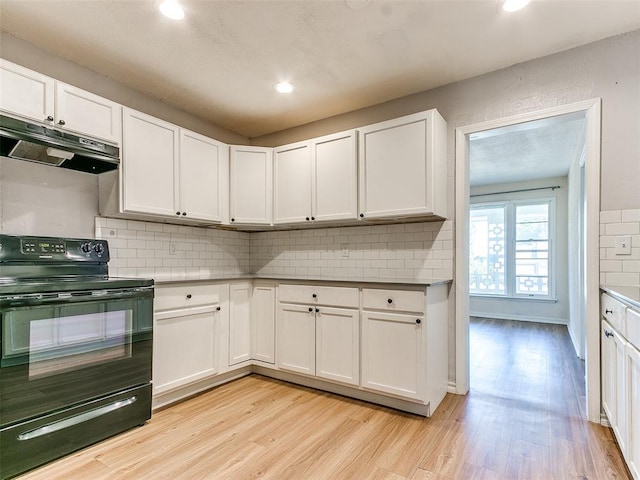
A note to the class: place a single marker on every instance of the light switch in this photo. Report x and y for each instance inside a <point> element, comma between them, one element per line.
<point>623,245</point>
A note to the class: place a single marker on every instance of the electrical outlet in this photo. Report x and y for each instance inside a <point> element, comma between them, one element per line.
<point>345,251</point>
<point>623,245</point>
<point>173,248</point>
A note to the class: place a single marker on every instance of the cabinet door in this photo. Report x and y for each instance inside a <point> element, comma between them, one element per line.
<point>296,339</point>
<point>633,409</point>
<point>86,113</point>
<point>201,176</point>
<point>25,92</point>
<point>251,188</point>
<point>149,151</point>
<point>398,175</point>
<point>292,170</point>
<point>183,350</point>
<point>392,354</point>
<point>338,345</point>
<point>240,323</point>
<point>263,318</point>
<point>613,382</point>
<point>334,179</point>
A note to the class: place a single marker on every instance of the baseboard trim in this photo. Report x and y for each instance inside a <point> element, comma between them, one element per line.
<point>604,420</point>
<point>520,318</point>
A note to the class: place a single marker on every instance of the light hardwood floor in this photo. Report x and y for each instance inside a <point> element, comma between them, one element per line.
<point>523,419</point>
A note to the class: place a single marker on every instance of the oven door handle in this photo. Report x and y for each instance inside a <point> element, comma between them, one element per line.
<point>76,419</point>
<point>74,297</point>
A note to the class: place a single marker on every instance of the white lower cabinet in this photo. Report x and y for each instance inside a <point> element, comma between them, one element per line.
<point>633,409</point>
<point>337,344</point>
<point>239,323</point>
<point>392,354</point>
<point>263,323</point>
<point>296,339</point>
<point>614,382</point>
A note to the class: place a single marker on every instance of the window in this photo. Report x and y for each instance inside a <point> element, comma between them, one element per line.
<point>510,249</point>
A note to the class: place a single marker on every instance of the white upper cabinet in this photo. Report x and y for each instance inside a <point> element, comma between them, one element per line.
<point>250,185</point>
<point>403,167</point>
<point>334,177</point>
<point>84,112</point>
<point>26,93</point>
<point>170,171</point>
<point>203,169</point>
<point>150,149</point>
<point>316,180</point>
<point>40,98</point>
<point>292,170</point>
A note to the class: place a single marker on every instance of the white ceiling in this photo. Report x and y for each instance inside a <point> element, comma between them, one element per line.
<point>526,151</point>
<point>221,61</point>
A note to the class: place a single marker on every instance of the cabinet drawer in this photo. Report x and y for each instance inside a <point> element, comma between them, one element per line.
<point>330,296</point>
<point>633,328</point>
<point>614,312</point>
<point>393,300</point>
<point>189,295</point>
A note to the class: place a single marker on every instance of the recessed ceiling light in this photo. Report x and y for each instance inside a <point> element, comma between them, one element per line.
<point>171,9</point>
<point>514,5</point>
<point>283,87</point>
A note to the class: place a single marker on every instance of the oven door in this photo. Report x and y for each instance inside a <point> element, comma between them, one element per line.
<point>70,348</point>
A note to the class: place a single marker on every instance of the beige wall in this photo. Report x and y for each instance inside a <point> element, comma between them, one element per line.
<point>30,56</point>
<point>609,69</point>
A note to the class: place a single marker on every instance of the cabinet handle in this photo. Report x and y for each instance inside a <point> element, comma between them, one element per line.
<point>362,215</point>
<point>314,295</point>
<point>177,213</point>
<point>418,321</point>
<point>61,122</point>
<point>313,218</point>
<point>218,308</point>
<point>608,333</point>
<point>307,218</point>
<point>390,301</point>
<point>608,311</point>
<point>317,310</point>
<point>188,295</point>
<point>233,219</point>
<point>49,118</point>
<point>184,214</point>
<point>310,309</point>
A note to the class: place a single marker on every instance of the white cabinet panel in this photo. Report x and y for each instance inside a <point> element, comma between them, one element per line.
<point>633,410</point>
<point>614,382</point>
<point>296,339</point>
<point>334,178</point>
<point>26,93</point>
<point>393,354</point>
<point>292,170</point>
<point>263,317</point>
<point>86,113</point>
<point>251,185</point>
<point>201,175</point>
<point>149,153</point>
<point>403,166</point>
<point>184,350</point>
<point>240,323</point>
<point>337,344</point>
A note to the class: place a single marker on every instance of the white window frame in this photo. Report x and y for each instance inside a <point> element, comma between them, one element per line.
<point>510,247</point>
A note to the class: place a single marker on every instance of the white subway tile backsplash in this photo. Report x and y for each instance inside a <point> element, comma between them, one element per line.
<point>616,269</point>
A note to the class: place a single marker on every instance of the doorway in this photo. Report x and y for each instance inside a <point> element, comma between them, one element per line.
<point>586,301</point>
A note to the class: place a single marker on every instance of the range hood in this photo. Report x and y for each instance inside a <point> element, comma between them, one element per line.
<point>33,142</point>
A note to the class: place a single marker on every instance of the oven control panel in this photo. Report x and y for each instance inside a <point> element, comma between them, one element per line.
<point>50,249</point>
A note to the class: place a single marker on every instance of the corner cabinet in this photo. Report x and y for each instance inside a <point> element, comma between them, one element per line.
<point>316,180</point>
<point>250,185</point>
<point>169,172</point>
<point>403,167</point>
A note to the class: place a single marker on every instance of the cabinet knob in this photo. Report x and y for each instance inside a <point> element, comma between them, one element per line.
<point>607,333</point>
<point>218,308</point>
<point>61,122</point>
<point>307,218</point>
<point>362,215</point>
<point>389,301</point>
<point>310,309</point>
<point>177,213</point>
<point>233,219</point>
<point>608,311</point>
<point>418,321</point>
<point>184,214</point>
<point>188,295</point>
<point>317,310</point>
<point>49,118</point>
<point>313,218</point>
<point>314,295</point>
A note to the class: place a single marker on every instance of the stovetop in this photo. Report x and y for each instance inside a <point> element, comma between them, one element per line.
<point>13,286</point>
